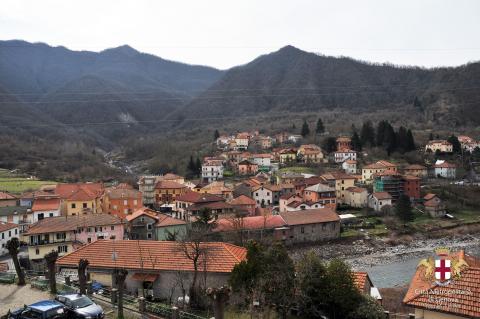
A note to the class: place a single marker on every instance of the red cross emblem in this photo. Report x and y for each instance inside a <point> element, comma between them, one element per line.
<point>442,269</point>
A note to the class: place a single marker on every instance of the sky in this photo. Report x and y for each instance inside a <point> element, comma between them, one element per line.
<point>224,33</point>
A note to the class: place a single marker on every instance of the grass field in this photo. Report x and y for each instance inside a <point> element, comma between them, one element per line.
<point>297,169</point>
<point>18,184</point>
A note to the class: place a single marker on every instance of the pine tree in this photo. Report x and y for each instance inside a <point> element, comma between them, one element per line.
<point>329,144</point>
<point>305,129</point>
<point>367,134</point>
<point>389,138</point>
<point>410,141</point>
<point>457,147</point>
<point>401,139</point>
<point>191,167</point>
<point>216,135</point>
<point>356,142</point>
<point>380,134</point>
<point>403,209</point>
<point>430,137</point>
<point>198,167</point>
<point>417,103</point>
<point>320,128</point>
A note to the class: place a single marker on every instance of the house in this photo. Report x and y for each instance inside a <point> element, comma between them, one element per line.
<point>121,200</point>
<point>22,216</point>
<point>364,284</point>
<point>344,155</point>
<point>80,198</point>
<point>147,224</point>
<point>468,143</point>
<point>294,138</point>
<point>344,143</point>
<point>66,233</point>
<point>26,199</point>
<point>416,170</point>
<point>241,141</point>
<point>310,153</point>
<point>287,199</point>
<point>305,205</point>
<point>184,201</point>
<point>7,200</point>
<point>290,178</point>
<point>442,146</point>
<point>7,232</point>
<point>218,188</point>
<point>444,169</point>
<point>320,193</point>
<point>456,300</point>
<point>246,167</point>
<point>356,197</point>
<point>146,185</point>
<point>434,205</point>
<point>217,209</point>
<point>341,182</point>
<point>369,170</point>
<point>311,225</point>
<point>223,141</point>
<point>267,194</point>
<point>45,206</point>
<point>212,170</point>
<point>411,186</point>
<point>391,182</point>
<point>259,228</point>
<point>377,201</point>
<point>166,191</point>
<point>265,142</point>
<point>288,155</point>
<point>244,204</point>
<point>281,137</point>
<point>264,161</point>
<point>350,166</point>
<point>157,264</point>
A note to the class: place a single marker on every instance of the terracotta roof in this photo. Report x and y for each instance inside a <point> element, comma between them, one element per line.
<point>120,193</point>
<point>387,172</point>
<point>170,176</point>
<point>411,178</point>
<point>445,165</point>
<point>462,294</point>
<point>382,195</point>
<point>154,255</point>
<point>80,191</point>
<point>344,139</point>
<point>249,223</point>
<point>195,197</point>
<point>7,226</point>
<point>165,221</point>
<point>247,162</point>
<point>242,200</point>
<point>43,204</point>
<point>386,163</point>
<point>360,280</point>
<point>168,185</point>
<point>415,167</point>
<point>357,189</point>
<point>380,165</point>
<point>142,211</point>
<point>432,203</point>
<point>429,196</point>
<point>320,188</point>
<point>209,205</point>
<point>443,142</point>
<point>6,196</point>
<point>70,223</point>
<point>261,155</point>
<point>350,161</point>
<point>310,216</point>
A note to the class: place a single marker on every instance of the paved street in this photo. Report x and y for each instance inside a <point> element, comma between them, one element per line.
<point>13,296</point>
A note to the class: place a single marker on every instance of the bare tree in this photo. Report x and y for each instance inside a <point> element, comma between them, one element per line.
<point>219,298</point>
<point>51,259</point>
<point>13,247</point>
<point>82,275</point>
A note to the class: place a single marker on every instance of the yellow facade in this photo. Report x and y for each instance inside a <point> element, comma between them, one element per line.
<point>341,186</point>
<point>81,207</point>
<point>367,174</point>
<point>288,157</point>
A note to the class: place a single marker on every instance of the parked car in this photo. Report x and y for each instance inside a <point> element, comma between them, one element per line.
<point>47,309</point>
<point>80,306</point>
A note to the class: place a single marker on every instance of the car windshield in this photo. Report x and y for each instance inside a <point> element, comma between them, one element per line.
<point>82,302</point>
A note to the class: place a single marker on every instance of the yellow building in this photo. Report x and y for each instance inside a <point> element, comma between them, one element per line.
<point>81,198</point>
<point>439,145</point>
<point>356,197</point>
<point>378,167</point>
<point>288,156</point>
<point>341,182</point>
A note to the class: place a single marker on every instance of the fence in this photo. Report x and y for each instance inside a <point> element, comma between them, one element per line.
<point>7,278</point>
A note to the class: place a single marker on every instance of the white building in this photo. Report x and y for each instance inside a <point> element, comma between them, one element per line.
<point>445,169</point>
<point>350,166</point>
<point>263,196</point>
<point>7,231</point>
<point>342,156</point>
<point>379,200</point>
<point>241,141</point>
<point>44,207</point>
<point>262,159</point>
<point>294,138</point>
<point>212,170</point>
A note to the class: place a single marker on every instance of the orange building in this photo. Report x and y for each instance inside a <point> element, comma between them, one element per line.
<point>167,191</point>
<point>122,201</point>
<point>247,168</point>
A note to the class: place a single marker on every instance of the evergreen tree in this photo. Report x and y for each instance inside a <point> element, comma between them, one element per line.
<point>416,102</point>
<point>410,141</point>
<point>305,129</point>
<point>402,139</point>
<point>216,135</point>
<point>329,144</point>
<point>320,128</point>
<point>380,134</point>
<point>191,167</point>
<point>457,146</point>
<point>403,209</point>
<point>313,285</point>
<point>430,136</point>
<point>367,134</point>
<point>198,167</point>
<point>390,138</point>
<point>356,142</point>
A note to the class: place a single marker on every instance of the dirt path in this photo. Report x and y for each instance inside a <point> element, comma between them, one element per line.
<point>13,297</point>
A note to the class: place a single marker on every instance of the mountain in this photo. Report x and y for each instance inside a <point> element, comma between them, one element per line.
<point>291,80</point>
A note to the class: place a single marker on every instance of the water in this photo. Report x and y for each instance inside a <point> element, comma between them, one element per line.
<point>399,273</point>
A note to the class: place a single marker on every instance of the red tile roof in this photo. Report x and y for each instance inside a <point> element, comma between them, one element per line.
<point>357,189</point>
<point>429,196</point>
<point>382,195</point>
<point>80,191</point>
<point>70,223</point>
<point>169,185</point>
<point>165,221</point>
<point>310,216</point>
<point>140,212</point>
<point>415,167</point>
<point>195,197</point>
<point>249,223</point>
<point>7,226</point>
<point>445,165</point>
<point>156,255</point>
<point>242,200</point>
<point>6,196</point>
<point>122,193</point>
<point>360,280</point>
<point>43,204</point>
<point>462,295</point>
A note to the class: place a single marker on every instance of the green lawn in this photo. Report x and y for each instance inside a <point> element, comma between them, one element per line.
<point>297,169</point>
<point>18,184</point>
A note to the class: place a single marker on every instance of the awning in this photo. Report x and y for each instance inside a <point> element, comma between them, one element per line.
<point>145,277</point>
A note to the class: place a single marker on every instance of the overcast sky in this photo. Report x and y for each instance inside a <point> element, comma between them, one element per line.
<point>223,33</point>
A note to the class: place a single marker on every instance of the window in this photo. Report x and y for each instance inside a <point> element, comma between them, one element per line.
<point>112,228</point>
<point>302,230</point>
<point>16,231</point>
<point>125,202</point>
<point>89,229</point>
<point>89,240</point>
<point>149,235</point>
<point>135,202</point>
<point>3,235</point>
<point>149,227</point>
<point>9,233</point>
<point>74,205</point>
<point>40,216</point>
<point>84,205</point>
<point>37,251</point>
<point>50,215</point>
<point>62,249</point>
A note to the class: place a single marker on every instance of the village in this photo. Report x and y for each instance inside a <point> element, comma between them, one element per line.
<point>251,188</point>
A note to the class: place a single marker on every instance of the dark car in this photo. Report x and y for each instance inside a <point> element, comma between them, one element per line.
<point>47,309</point>
<point>80,306</point>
